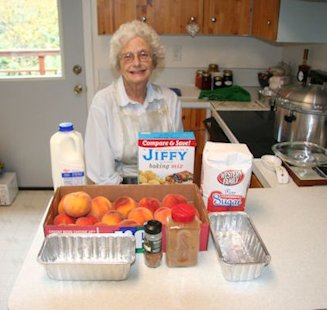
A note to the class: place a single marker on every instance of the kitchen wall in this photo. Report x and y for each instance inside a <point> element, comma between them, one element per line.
<point>317,55</point>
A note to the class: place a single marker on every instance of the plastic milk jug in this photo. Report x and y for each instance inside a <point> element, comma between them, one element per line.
<point>67,157</point>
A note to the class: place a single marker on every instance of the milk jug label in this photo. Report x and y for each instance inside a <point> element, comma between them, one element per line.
<point>73,178</point>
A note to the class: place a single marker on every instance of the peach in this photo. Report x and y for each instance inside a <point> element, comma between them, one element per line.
<point>100,224</point>
<point>140,215</point>
<point>77,204</point>
<point>150,203</point>
<point>61,206</point>
<point>63,219</point>
<point>112,217</point>
<point>124,205</point>
<point>100,205</point>
<point>161,214</point>
<point>171,200</point>
<point>92,218</point>
<point>127,223</point>
<point>84,221</point>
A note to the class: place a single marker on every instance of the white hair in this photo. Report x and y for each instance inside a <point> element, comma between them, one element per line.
<point>127,32</point>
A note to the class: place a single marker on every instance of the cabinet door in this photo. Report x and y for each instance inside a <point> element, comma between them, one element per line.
<point>227,17</point>
<point>193,121</point>
<point>113,13</point>
<point>265,19</point>
<point>170,16</point>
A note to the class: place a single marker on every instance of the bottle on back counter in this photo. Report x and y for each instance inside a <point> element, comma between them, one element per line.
<point>182,236</point>
<point>303,71</point>
<point>67,156</point>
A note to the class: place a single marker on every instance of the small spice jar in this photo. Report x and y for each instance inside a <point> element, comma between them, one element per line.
<point>152,243</point>
<point>198,78</point>
<point>206,81</point>
<point>228,78</point>
<point>182,236</point>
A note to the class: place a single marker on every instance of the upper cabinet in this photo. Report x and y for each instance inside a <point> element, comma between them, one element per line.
<point>172,16</point>
<point>290,21</point>
<point>164,16</point>
<point>265,19</point>
<point>232,17</point>
<point>300,21</point>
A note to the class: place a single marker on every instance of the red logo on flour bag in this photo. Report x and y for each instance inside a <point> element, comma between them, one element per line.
<point>230,177</point>
<point>226,174</point>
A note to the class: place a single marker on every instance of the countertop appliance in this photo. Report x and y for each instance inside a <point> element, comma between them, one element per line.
<point>254,128</point>
<point>301,114</point>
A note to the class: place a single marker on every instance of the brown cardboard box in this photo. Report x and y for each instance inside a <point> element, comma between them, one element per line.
<point>190,191</point>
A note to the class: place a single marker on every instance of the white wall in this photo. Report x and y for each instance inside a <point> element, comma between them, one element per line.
<point>317,59</point>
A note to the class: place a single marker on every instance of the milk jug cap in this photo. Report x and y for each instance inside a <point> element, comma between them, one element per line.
<point>65,127</point>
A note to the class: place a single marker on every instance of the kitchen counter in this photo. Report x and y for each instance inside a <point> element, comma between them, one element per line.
<point>190,95</point>
<point>292,223</point>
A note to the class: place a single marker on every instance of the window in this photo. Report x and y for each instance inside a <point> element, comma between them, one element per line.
<point>29,39</point>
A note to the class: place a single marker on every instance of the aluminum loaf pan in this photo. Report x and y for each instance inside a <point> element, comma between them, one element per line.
<point>241,251</point>
<point>87,256</point>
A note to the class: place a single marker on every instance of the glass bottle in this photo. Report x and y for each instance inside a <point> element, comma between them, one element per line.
<point>206,81</point>
<point>182,236</point>
<point>198,78</point>
<point>303,71</point>
<point>217,80</point>
<point>228,78</point>
<point>152,244</point>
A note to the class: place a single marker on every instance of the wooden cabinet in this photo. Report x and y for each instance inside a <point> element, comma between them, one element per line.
<point>193,121</point>
<point>265,19</point>
<point>164,16</point>
<point>232,17</point>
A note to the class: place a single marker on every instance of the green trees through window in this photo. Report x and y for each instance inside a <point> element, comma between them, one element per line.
<point>29,38</point>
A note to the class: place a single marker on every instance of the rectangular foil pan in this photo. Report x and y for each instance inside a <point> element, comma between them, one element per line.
<point>75,256</point>
<point>241,251</point>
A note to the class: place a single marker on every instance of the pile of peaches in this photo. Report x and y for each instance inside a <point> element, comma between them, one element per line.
<point>78,208</point>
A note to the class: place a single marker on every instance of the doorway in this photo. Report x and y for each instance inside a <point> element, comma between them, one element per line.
<point>31,109</point>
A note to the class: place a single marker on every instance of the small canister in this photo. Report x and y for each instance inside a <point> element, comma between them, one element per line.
<point>152,243</point>
<point>198,78</point>
<point>182,236</point>
<point>228,78</point>
<point>206,81</point>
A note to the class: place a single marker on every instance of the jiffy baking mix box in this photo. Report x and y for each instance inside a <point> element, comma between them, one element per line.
<point>166,157</point>
<point>226,176</point>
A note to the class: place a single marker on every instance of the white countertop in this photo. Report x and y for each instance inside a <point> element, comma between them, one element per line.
<point>292,223</point>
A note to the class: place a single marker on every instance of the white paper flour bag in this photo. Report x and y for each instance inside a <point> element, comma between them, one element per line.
<point>226,176</point>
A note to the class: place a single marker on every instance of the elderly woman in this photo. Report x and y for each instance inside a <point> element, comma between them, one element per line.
<point>131,104</point>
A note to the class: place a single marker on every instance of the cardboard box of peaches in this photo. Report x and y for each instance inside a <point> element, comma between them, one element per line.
<point>86,209</point>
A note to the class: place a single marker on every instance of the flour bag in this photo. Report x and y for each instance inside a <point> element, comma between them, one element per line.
<point>225,176</point>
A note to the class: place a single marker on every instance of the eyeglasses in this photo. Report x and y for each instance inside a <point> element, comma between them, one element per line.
<point>129,57</point>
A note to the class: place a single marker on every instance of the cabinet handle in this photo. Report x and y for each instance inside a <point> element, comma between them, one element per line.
<point>213,19</point>
<point>268,22</point>
<point>144,19</point>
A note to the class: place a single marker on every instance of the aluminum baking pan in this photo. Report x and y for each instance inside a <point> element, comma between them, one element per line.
<point>87,256</point>
<point>241,251</point>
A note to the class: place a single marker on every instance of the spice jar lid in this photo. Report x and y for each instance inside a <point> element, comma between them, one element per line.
<point>183,213</point>
<point>153,227</point>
